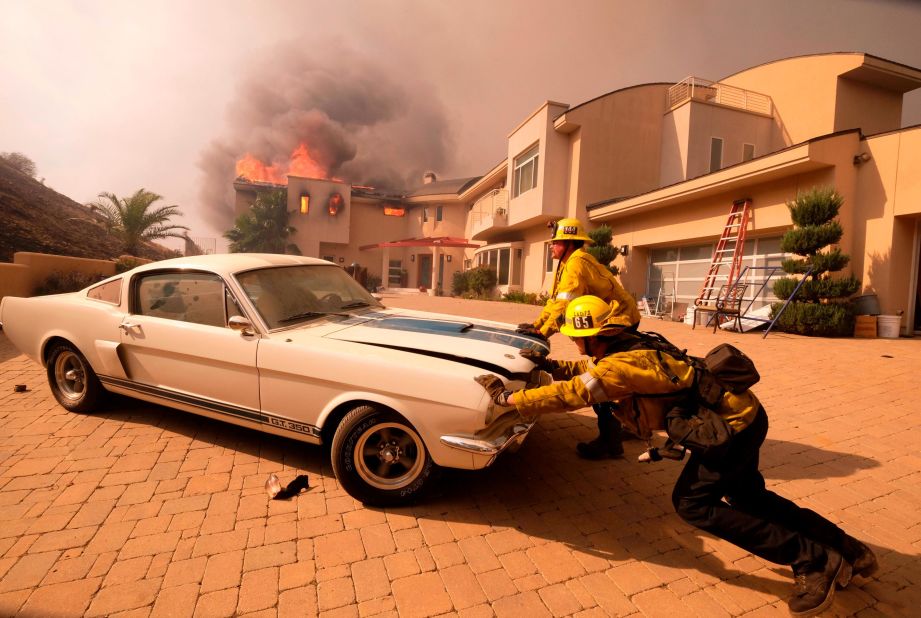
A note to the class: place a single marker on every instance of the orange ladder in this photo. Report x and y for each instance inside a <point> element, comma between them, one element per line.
<point>728,252</point>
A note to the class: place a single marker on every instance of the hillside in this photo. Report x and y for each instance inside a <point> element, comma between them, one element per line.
<point>36,218</point>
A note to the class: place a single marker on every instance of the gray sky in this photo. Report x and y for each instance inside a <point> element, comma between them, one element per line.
<point>118,95</point>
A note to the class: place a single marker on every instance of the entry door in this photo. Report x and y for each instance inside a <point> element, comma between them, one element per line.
<point>425,270</point>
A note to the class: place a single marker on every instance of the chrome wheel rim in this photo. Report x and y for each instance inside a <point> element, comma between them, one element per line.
<point>70,375</point>
<point>389,456</point>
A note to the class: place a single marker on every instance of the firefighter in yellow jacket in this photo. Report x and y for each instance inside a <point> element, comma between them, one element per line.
<point>578,273</point>
<point>721,493</point>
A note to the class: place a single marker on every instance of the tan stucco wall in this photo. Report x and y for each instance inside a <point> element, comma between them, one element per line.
<point>803,91</point>
<point>673,165</point>
<point>734,127</point>
<point>15,280</point>
<point>870,108</point>
<point>548,198</point>
<point>28,270</point>
<point>616,149</point>
<point>889,199</point>
<point>317,226</point>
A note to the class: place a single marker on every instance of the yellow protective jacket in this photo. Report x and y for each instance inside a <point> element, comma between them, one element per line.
<point>579,275</point>
<point>623,378</point>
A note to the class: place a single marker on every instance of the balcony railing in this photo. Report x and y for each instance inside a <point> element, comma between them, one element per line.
<point>695,88</point>
<point>493,204</point>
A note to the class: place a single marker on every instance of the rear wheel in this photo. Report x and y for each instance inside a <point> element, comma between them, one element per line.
<point>73,382</point>
<point>380,459</point>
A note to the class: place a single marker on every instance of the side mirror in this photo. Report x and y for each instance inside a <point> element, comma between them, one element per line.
<point>241,325</point>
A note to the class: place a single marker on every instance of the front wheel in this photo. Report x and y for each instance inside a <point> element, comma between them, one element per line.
<point>73,382</point>
<point>380,459</point>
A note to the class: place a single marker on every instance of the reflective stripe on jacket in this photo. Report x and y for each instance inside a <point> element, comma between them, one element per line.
<point>637,382</point>
<point>579,275</point>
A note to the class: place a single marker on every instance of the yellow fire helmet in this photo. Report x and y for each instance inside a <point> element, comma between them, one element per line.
<point>569,229</point>
<point>586,316</point>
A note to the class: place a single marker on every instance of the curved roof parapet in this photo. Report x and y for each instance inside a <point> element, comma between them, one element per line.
<point>871,69</point>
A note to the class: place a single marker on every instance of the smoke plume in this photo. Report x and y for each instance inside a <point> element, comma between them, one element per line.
<point>360,124</point>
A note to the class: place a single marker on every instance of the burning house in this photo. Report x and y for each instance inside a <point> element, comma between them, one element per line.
<point>413,239</point>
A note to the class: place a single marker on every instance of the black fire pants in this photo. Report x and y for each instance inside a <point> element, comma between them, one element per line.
<point>609,427</point>
<point>752,517</point>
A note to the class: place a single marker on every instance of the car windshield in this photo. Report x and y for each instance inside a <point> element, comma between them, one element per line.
<point>287,295</point>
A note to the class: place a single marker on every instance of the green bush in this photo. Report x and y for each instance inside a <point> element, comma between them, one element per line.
<point>821,320</point>
<point>527,298</point>
<point>125,263</point>
<point>459,283</point>
<point>477,282</point>
<point>60,282</point>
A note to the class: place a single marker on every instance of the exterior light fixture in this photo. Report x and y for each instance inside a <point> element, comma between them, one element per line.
<point>449,258</point>
<point>863,157</point>
<point>624,250</point>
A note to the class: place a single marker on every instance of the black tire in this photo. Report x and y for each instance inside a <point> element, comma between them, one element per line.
<point>380,459</point>
<point>73,382</point>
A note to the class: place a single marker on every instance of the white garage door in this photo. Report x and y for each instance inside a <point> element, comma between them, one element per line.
<point>679,272</point>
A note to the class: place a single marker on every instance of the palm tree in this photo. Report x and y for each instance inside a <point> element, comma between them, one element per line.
<point>134,219</point>
<point>264,229</point>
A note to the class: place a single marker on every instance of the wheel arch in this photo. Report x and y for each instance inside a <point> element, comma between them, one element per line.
<point>49,344</point>
<point>331,420</point>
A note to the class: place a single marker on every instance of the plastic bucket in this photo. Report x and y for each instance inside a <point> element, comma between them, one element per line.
<point>867,304</point>
<point>888,326</point>
<point>689,316</point>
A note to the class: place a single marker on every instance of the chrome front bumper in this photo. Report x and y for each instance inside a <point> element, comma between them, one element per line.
<point>504,434</point>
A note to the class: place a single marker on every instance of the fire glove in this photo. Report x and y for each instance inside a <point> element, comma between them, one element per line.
<point>538,357</point>
<point>526,328</point>
<point>495,388</point>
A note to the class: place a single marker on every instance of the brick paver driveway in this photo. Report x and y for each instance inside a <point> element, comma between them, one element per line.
<point>144,511</point>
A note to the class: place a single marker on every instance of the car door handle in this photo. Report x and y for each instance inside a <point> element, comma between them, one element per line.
<point>127,326</point>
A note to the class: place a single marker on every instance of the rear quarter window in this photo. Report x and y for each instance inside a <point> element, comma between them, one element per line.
<point>108,292</point>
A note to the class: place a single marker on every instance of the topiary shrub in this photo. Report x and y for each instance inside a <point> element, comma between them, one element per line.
<point>60,282</point>
<point>818,308</point>
<point>602,249</point>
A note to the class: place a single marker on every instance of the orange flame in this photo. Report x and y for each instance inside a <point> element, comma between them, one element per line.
<point>299,164</point>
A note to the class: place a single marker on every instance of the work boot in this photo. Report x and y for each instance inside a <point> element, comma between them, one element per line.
<point>861,558</point>
<point>600,448</point>
<point>814,591</point>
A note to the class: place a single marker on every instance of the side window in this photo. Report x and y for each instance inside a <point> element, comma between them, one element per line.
<point>525,174</point>
<point>716,154</point>
<point>109,292</point>
<point>188,297</point>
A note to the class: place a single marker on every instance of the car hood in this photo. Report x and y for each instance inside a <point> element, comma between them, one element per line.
<point>492,346</point>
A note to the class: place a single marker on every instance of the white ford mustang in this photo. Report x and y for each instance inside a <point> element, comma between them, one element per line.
<point>291,346</point>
